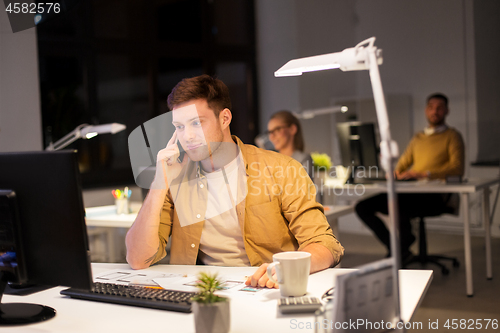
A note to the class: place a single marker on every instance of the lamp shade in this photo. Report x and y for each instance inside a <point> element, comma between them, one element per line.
<point>350,59</point>
<point>85,131</point>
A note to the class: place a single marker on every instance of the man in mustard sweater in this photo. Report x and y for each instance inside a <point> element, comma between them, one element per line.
<point>434,153</point>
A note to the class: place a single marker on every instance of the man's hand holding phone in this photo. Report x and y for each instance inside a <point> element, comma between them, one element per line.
<point>169,163</point>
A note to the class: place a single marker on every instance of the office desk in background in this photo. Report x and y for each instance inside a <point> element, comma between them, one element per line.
<point>105,216</point>
<point>102,221</point>
<point>473,185</point>
<point>249,313</point>
<point>333,213</point>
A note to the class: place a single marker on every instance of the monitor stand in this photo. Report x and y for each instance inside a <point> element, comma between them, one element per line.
<point>21,313</point>
<point>351,174</point>
<point>23,290</point>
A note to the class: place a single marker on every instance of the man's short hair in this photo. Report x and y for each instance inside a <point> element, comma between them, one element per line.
<point>213,90</point>
<point>439,96</point>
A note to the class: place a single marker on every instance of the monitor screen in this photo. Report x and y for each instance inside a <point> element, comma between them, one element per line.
<point>359,149</point>
<point>42,219</point>
<point>12,264</point>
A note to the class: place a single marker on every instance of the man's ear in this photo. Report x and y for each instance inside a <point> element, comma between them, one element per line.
<point>225,117</point>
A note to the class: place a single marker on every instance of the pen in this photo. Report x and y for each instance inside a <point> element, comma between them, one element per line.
<point>126,193</point>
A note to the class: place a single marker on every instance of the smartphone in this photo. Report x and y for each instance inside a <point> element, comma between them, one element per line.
<point>181,152</point>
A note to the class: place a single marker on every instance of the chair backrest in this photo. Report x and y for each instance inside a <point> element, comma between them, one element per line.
<point>451,206</point>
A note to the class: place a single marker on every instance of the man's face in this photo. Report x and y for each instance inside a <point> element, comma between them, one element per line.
<point>436,112</point>
<point>198,129</point>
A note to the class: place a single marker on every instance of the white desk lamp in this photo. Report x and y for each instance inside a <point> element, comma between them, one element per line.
<point>364,56</point>
<point>85,131</point>
<point>309,114</point>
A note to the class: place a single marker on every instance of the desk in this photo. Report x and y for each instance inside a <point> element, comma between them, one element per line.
<point>333,213</point>
<point>105,216</point>
<point>464,189</point>
<point>104,219</point>
<point>249,313</point>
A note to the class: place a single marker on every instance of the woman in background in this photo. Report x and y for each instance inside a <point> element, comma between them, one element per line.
<point>285,134</point>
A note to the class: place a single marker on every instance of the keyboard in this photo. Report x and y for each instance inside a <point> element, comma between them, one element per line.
<point>154,298</point>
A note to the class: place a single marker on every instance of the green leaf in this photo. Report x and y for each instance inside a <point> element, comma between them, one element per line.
<point>321,161</point>
<point>207,285</point>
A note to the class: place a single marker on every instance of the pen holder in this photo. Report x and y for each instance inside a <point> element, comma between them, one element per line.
<point>122,206</point>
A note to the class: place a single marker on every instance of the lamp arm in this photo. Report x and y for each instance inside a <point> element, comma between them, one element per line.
<point>389,153</point>
<point>308,114</point>
<point>67,139</point>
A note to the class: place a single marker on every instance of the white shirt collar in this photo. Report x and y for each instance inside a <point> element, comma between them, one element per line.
<point>433,130</point>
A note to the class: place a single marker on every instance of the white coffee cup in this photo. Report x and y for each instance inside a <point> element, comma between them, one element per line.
<point>292,270</point>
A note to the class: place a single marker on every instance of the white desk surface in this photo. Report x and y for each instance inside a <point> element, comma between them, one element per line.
<point>336,211</point>
<point>473,185</point>
<point>249,313</point>
<point>470,186</point>
<point>105,216</point>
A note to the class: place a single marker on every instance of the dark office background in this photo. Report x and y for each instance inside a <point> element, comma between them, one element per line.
<point>117,61</point>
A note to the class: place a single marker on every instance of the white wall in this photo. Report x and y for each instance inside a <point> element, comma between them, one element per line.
<point>487,32</point>
<point>276,31</point>
<point>20,116</point>
<point>425,50</point>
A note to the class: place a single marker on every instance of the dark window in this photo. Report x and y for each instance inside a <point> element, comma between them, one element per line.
<point>110,61</point>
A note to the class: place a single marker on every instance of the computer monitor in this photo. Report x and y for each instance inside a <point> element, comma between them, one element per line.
<point>43,238</point>
<point>359,149</point>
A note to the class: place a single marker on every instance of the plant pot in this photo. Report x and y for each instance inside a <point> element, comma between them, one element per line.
<point>319,177</point>
<point>211,318</point>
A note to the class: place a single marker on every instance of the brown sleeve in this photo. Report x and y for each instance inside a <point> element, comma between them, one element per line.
<point>306,217</point>
<point>165,229</point>
<point>406,160</point>
<point>455,164</point>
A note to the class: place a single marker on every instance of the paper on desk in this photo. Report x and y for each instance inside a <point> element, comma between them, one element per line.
<point>133,277</point>
<point>175,281</point>
<point>231,285</point>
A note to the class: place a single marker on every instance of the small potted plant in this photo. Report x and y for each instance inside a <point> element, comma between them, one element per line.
<point>211,312</point>
<point>322,164</point>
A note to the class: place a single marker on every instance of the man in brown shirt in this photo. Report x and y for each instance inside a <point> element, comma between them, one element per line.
<point>224,202</point>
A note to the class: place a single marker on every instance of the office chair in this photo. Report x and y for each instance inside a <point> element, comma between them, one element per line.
<point>452,207</point>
